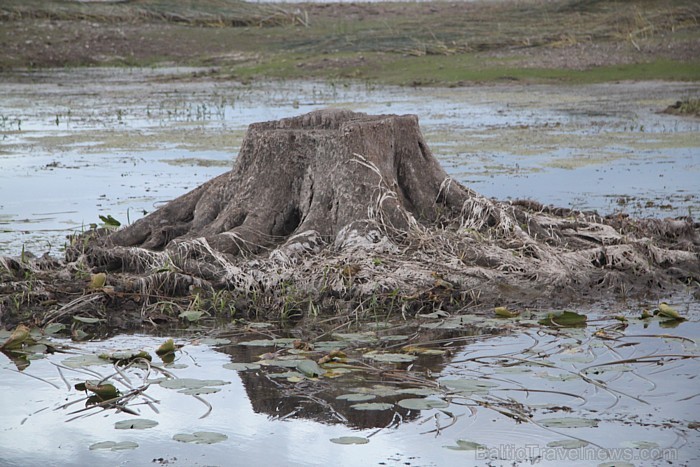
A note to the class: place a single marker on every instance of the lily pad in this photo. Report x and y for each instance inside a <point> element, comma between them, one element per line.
<point>114,446</point>
<point>80,361</point>
<point>389,357</point>
<point>668,312</point>
<point>569,422</point>
<point>423,404</point>
<point>310,369</point>
<point>564,319</point>
<point>417,391</point>
<point>373,406</point>
<point>200,437</point>
<point>503,312</point>
<point>215,341</point>
<point>464,445</point>
<point>355,397</point>
<point>281,342</point>
<point>191,383</point>
<point>350,440</point>
<point>358,337</point>
<point>135,424</point>
<point>241,366</point>
<point>468,385</point>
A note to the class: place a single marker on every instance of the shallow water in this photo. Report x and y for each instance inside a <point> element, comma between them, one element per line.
<point>646,413</point>
<point>76,144</point>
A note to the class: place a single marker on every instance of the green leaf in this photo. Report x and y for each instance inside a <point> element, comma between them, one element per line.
<point>241,366</point>
<point>18,338</point>
<point>569,422</point>
<point>191,383</point>
<point>166,347</point>
<point>110,221</point>
<point>564,319</point>
<point>97,281</point>
<point>666,311</point>
<point>503,312</point>
<point>310,368</point>
<point>200,437</point>
<point>114,446</point>
<point>468,385</point>
<point>191,315</point>
<point>373,406</point>
<point>87,320</point>
<point>422,404</point>
<point>135,424</point>
<point>104,391</point>
<point>54,328</point>
<point>355,397</point>
<point>350,440</point>
<point>389,357</point>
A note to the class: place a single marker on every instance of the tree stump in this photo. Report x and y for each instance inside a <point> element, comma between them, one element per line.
<point>340,207</point>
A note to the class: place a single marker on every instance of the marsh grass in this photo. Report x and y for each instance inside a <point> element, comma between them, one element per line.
<point>399,43</point>
<point>209,13</point>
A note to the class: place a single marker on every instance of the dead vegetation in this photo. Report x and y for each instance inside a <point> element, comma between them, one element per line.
<point>361,221</point>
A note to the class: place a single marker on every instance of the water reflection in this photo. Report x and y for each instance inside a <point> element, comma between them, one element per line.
<point>518,395</point>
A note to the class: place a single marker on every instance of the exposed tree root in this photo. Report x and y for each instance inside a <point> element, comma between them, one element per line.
<point>335,211</point>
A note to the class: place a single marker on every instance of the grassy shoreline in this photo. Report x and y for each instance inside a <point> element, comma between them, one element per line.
<point>432,43</point>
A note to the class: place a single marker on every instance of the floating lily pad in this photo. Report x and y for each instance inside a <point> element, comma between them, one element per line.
<point>373,406</point>
<point>564,319</point>
<point>355,397</point>
<point>281,342</point>
<point>191,383</point>
<point>359,337</point>
<point>389,357</point>
<point>214,341</point>
<point>417,391</point>
<point>135,424</point>
<point>464,445</point>
<point>114,446</point>
<point>668,312</point>
<point>568,444</point>
<point>569,422</point>
<point>417,350</point>
<point>422,404</point>
<point>310,369</point>
<point>200,437</point>
<point>80,361</point>
<point>468,385</point>
<point>350,440</point>
<point>503,312</point>
<point>241,366</point>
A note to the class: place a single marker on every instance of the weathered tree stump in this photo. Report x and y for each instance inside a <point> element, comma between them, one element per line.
<point>338,211</point>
